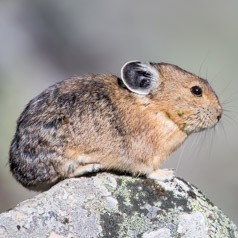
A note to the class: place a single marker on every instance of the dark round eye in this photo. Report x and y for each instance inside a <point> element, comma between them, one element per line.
<point>196,91</point>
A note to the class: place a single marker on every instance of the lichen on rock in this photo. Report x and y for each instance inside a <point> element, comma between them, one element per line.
<point>108,205</point>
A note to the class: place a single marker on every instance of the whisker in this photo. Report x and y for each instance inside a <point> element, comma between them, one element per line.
<point>224,89</point>
<point>195,141</point>
<point>227,110</point>
<point>207,73</point>
<point>228,105</point>
<point>201,141</point>
<point>231,120</point>
<point>212,137</point>
<point>230,100</point>
<point>223,129</point>
<point>204,60</point>
<point>179,159</point>
<point>214,77</point>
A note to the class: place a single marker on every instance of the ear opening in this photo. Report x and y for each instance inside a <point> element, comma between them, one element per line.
<point>140,77</point>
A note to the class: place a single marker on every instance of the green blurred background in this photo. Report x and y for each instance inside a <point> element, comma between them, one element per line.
<point>42,42</point>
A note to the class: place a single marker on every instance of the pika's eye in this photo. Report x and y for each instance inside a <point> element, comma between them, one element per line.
<point>196,91</point>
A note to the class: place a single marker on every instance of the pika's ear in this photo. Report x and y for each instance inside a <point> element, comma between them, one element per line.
<point>140,77</point>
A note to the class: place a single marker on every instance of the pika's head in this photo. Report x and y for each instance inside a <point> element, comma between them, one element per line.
<point>185,98</point>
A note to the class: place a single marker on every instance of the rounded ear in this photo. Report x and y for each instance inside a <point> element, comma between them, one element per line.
<point>140,77</point>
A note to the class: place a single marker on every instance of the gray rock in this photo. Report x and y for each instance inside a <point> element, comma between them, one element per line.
<point>108,205</point>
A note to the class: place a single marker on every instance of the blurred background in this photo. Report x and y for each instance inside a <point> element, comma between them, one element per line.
<point>43,42</point>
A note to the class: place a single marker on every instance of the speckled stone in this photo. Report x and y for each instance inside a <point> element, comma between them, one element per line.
<point>108,205</point>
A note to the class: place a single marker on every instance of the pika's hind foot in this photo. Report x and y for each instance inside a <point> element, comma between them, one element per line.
<point>85,169</point>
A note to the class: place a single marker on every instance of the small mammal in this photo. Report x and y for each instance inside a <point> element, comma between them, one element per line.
<point>103,122</point>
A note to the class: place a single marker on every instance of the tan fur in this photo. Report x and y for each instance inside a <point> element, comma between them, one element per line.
<point>89,123</point>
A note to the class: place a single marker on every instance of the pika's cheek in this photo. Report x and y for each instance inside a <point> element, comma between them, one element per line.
<point>209,117</point>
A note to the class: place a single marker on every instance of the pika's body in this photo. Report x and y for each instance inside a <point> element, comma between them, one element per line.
<point>102,122</point>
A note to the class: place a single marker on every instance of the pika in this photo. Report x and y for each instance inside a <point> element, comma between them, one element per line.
<point>130,123</point>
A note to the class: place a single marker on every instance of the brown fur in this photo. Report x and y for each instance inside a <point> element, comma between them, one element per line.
<point>96,120</point>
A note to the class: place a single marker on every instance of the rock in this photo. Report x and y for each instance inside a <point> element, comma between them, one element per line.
<point>108,205</point>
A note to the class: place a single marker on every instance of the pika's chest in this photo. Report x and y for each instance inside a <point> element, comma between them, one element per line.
<point>160,133</point>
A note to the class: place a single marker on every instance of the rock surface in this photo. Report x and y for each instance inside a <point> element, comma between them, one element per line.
<point>109,205</point>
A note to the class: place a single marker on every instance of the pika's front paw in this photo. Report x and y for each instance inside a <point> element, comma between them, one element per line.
<point>162,175</point>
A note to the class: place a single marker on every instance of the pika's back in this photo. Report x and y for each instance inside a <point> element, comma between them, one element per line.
<point>53,106</point>
<point>65,98</point>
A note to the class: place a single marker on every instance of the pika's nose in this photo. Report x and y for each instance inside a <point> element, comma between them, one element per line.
<point>219,112</point>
